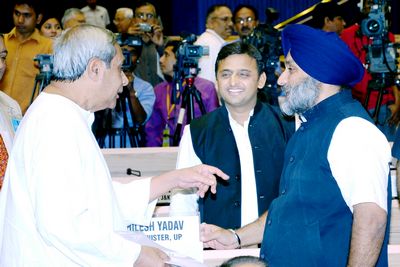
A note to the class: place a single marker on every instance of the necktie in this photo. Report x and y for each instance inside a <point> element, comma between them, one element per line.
<point>3,160</point>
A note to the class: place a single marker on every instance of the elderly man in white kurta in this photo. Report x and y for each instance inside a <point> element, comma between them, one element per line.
<point>58,205</point>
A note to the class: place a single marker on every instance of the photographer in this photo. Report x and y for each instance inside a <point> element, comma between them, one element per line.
<point>147,25</point>
<point>358,42</point>
<point>161,126</point>
<point>134,106</point>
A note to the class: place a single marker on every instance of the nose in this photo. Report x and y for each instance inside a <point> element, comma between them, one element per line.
<point>124,79</point>
<point>233,80</point>
<point>282,79</point>
<point>21,19</point>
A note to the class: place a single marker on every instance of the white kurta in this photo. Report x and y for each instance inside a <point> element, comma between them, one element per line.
<point>58,206</point>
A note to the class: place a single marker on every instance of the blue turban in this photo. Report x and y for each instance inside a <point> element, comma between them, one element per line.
<point>322,55</point>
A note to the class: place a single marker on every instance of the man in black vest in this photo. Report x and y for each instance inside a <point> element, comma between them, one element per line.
<point>244,137</point>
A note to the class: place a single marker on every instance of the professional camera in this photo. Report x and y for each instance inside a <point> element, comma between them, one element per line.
<point>132,41</point>
<point>45,62</point>
<point>187,57</point>
<point>268,41</point>
<point>381,54</point>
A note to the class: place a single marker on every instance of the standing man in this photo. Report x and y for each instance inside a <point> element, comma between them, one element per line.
<point>245,19</point>
<point>24,43</point>
<point>334,200</point>
<point>328,16</point>
<point>359,43</point>
<point>58,205</point>
<point>95,14</point>
<point>218,28</point>
<point>161,126</point>
<point>244,137</point>
<point>147,25</point>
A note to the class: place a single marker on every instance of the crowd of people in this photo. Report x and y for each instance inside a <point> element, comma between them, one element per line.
<point>307,180</point>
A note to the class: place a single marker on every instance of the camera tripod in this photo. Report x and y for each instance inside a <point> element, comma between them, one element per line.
<point>109,125</point>
<point>189,95</point>
<point>42,79</point>
<point>377,84</point>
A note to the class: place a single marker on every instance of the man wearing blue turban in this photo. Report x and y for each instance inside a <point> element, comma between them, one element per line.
<point>334,200</point>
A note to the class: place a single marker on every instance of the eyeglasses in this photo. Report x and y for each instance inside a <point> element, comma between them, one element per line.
<point>144,15</point>
<point>243,20</point>
<point>224,19</point>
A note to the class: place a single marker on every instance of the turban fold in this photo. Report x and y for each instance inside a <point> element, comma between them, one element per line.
<point>322,55</point>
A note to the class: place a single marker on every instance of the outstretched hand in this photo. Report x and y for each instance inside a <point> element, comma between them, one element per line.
<point>201,177</point>
<point>216,237</point>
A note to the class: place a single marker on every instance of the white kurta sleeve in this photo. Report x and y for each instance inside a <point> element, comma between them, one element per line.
<point>133,201</point>
<point>359,156</point>
<point>184,201</point>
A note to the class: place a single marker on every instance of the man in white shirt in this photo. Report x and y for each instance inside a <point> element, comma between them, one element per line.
<point>95,14</point>
<point>58,205</point>
<point>218,28</point>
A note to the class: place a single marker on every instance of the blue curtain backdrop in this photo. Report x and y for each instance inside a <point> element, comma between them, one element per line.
<point>189,15</point>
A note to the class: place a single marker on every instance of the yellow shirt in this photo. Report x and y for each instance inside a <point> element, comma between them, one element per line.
<point>19,78</point>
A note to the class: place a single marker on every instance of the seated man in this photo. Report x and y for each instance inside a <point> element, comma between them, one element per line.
<point>161,126</point>
<point>244,137</point>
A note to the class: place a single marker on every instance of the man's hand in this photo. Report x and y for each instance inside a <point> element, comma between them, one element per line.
<point>151,257</point>
<point>201,177</point>
<point>156,36</point>
<point>216,237</point>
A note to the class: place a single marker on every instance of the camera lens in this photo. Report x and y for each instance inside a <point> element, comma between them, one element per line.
<point>373,26</point>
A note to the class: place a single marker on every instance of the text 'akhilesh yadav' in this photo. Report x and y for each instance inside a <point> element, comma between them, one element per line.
<point>162,226</point>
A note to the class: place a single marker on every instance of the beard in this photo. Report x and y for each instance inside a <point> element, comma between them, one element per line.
<point>300,97</point>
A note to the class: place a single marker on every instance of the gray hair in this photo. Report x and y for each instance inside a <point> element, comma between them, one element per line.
<point>128,12</point>
<point>69,14</point>
<point>75,47</point>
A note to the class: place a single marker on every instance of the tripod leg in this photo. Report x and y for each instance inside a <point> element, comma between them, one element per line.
<point>34,89</point>
<point>199,101</point>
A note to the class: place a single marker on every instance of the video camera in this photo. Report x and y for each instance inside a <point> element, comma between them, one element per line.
<point>187,63</point>
<point>187,57</point>
<point>45,62</point>
<point>268,41</point>
<point>131,41</point>
<point>381,53</point>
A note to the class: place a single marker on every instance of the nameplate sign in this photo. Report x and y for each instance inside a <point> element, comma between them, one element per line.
<point>178,233</point>
<point>164,200</point>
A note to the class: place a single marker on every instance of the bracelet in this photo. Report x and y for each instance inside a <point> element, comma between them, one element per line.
<point>237,237</point>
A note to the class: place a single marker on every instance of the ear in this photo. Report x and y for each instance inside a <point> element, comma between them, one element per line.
<point>95,69</point>
<point>326,20</point>
<point>261,80</point>
<point>39,18</point>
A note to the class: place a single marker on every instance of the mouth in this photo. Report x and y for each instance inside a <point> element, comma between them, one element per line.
<point>235,91</point>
